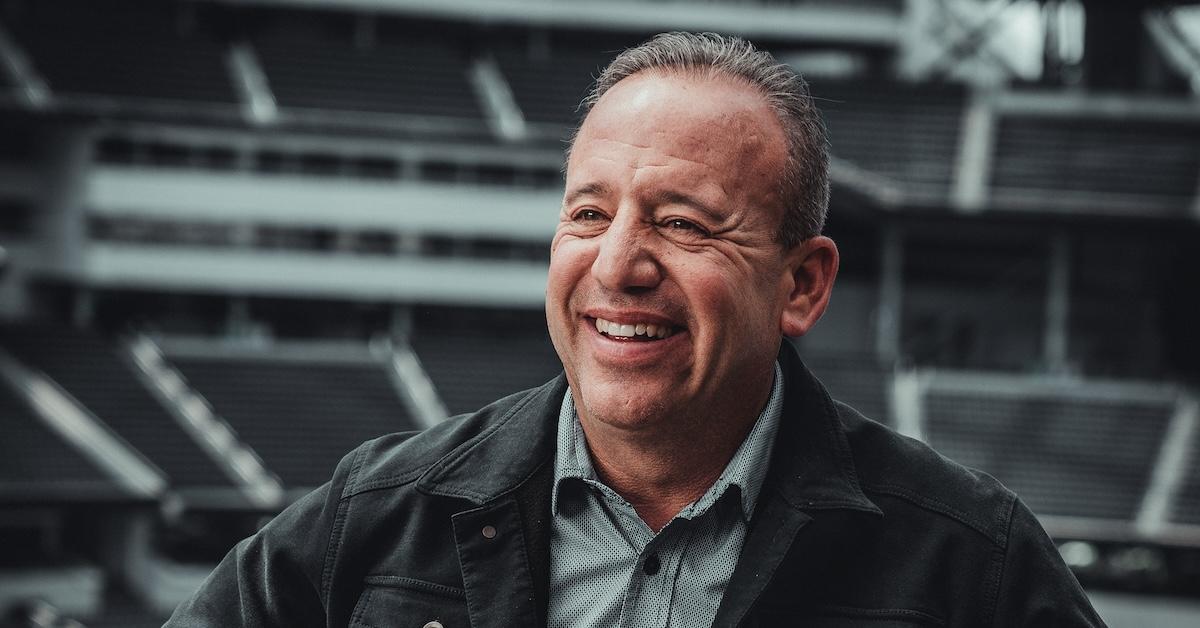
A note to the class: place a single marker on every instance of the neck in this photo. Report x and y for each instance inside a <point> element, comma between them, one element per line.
<point>661,470</point>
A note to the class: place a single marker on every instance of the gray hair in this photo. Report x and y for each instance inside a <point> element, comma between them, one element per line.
<point>804,184</point>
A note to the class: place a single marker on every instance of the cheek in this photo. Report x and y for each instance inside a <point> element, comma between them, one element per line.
<point>570,261</point>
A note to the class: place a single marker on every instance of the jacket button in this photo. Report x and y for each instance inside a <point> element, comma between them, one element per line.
<point>489,532</point>
<point>433,624</point>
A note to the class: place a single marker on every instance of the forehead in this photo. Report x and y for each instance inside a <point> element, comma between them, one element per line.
<point>709,120</point>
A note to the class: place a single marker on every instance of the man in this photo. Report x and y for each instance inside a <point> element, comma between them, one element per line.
<point>686,470</point>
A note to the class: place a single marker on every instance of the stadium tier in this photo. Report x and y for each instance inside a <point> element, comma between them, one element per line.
<point>93,371</point>
<point>1139,164</point>
<point>300,415</point>
<point>908,133</point>
<point>472,367</point>
<point>1064,456</point>
<point>37,464</point>
<point>135,50</point>
<point>324,72</point>
<point>548,88</point>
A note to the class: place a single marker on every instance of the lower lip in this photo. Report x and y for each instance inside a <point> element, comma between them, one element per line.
<point>632,352</point>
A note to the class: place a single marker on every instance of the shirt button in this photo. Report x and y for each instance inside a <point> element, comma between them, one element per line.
<point>651,565</point>
<point>433,624</point>
<point>489,532</point>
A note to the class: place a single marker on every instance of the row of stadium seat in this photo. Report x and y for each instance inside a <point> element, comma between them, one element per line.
<point>1065,456</point>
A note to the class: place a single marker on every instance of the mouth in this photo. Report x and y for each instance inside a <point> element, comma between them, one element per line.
<point>635,331</point>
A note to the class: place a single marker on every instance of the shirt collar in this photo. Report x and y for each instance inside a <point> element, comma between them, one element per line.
<point>746,469</point>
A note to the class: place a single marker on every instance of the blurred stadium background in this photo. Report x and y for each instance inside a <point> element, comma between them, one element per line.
<point>239,237</point>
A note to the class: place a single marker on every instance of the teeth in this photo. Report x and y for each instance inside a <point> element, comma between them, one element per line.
<point>649,330</point>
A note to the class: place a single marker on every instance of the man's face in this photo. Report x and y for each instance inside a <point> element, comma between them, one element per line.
<point>667,280</point>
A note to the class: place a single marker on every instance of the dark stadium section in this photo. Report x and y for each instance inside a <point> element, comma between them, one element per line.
<point>37,464</point>
<point>908,133</point>
<point>142,50</point>
<point>313,65</point>
<point>300,415</point>
<point>91,368</point>
<point>475,357</point>
<point>548,86</point>
<point>1068,457</point>
<point>1143,165</point>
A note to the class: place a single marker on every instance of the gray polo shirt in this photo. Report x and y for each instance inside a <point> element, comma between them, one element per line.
<point>608,568</point>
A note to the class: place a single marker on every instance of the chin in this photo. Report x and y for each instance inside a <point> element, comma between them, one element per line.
<point>619,409</point>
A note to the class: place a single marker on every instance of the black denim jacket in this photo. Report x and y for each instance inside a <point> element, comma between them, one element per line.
<point>856,526</point>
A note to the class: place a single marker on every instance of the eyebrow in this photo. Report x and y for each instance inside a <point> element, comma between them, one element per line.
<point>666,197</point>
<point>595,188</point>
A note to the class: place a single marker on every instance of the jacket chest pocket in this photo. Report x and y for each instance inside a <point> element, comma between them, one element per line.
<point>397,602</point>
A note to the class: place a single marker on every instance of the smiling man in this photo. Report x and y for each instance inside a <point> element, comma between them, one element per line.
<point>686,470</point>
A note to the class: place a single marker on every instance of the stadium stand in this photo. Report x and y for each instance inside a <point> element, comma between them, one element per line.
<point>36,464</point>
<point>548,88</point>
<point>473,365</point>
<point>130,50</point>
<point>311,67</point>
<point>1138,164</point>
<point>92,370</point>
<point>301,415</point>
<point>905,132</point>
<point>1064,456</point>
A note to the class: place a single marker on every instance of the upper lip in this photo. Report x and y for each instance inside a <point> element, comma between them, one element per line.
<point>631,317</point>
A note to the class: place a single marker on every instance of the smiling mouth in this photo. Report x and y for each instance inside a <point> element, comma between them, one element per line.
<point>637,332</point>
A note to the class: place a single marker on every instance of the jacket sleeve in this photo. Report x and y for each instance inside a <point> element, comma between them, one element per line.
<point>1037,589</point>
<point>274,578</point>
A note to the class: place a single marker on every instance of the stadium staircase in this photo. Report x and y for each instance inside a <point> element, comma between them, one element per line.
<point>97,373</point>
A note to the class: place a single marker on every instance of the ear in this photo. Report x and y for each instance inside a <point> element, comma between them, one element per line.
<point>812,267</point>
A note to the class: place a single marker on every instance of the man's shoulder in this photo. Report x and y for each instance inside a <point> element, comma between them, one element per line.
<point>901,474</point>
<point>401,458</point>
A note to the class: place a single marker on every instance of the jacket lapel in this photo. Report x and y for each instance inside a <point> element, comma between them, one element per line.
<point>811,476</point>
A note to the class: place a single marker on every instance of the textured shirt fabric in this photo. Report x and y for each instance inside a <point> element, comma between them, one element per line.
<point>608,568</point>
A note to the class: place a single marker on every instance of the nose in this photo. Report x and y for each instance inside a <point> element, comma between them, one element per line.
<point>626,261</point>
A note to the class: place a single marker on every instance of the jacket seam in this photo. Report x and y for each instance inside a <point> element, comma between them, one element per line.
<point>999,578</point>
<point>402,582</point>
<point>934,505</point>
<point>334,543</point>
<point>390,481</point>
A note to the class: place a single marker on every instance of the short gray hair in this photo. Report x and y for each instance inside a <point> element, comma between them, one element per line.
<point>804,184</point>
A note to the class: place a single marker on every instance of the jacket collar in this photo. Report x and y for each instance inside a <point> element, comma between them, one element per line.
<point>504,455</point>
<point>812,467</point>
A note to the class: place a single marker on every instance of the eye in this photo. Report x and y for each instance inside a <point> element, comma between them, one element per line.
<point>681,224</point>
<point>588,215</point>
